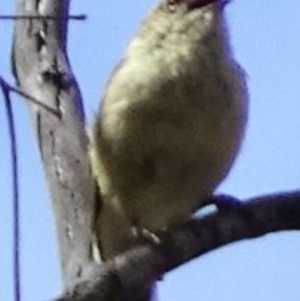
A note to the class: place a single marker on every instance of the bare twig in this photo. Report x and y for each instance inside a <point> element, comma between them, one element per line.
<point>81,17</point>
<point>15,191</point>
<point>16,90</point>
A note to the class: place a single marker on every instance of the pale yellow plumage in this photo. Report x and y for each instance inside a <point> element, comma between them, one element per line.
<point>170,124</point>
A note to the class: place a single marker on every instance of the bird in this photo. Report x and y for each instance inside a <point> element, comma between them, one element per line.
<point>170,124</point>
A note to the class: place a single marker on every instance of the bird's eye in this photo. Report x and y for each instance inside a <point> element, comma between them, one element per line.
<point>173,5</point>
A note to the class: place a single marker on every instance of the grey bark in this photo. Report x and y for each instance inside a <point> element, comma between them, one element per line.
<point>42,70</point>
<point>123,278</point>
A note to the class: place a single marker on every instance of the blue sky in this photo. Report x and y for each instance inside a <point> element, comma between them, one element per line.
<point>266,40</point>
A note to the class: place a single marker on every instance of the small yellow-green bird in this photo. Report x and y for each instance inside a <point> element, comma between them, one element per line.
<point>170,124</point>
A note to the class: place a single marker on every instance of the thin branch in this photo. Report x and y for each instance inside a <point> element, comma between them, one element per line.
<point>81,17</point>
<point>32,99</point>
<point>15,191</point>
<point>123,278</point>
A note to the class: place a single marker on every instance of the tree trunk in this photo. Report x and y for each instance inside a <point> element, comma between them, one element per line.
<point>42,70</point>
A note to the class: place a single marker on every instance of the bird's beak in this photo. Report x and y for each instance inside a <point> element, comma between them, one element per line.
<point>196,4</point>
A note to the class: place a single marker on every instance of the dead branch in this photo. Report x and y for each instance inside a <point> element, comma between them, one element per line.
<point>123,278</point>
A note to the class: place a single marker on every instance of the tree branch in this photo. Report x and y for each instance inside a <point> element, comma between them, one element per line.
<point>42,70</point>
<point>123,278</point>
<point>18,17</point>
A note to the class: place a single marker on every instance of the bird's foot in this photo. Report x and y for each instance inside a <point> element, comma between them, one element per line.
<point>145,234</point>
